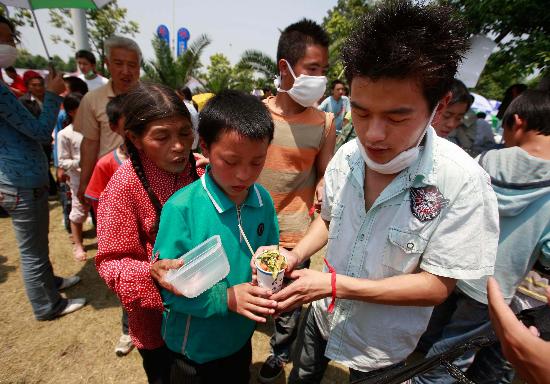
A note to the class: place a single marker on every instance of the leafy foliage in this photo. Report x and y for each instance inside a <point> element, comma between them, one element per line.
<point>521,28</point>
<point>27,60</point>
<point>221,75</point>
<point>175,72</point>
<point>102,24</point>
<point>261,64</point>
<point>339,23</point>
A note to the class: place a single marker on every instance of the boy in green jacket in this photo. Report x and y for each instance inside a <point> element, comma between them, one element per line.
<point>210,334</point>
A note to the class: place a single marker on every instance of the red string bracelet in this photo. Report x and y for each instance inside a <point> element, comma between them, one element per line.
<point>333,285</point>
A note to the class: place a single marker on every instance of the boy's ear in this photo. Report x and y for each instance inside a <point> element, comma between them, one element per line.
<point>442,105</point>
<point>519,123</point>
<point>204,148</point>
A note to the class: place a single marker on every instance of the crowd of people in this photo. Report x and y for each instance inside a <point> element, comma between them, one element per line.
<point>434,233</point>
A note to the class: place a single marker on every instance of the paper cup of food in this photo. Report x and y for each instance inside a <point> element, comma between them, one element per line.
<point>271,270</point>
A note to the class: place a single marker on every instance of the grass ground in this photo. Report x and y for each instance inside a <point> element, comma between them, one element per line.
<point>79,348</point>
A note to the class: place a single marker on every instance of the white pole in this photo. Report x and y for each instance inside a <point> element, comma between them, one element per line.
<point>173,27</point>
<point>40,33</point>
<point>80,29</point>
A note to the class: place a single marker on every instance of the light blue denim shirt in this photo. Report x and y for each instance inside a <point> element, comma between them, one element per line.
<point>438,215</point>
<point>23,162</point>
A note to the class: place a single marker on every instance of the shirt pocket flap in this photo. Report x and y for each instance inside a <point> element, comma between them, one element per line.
<point>409,242</point>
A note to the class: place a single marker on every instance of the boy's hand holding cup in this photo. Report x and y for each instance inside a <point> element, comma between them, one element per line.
<point>269,266</point>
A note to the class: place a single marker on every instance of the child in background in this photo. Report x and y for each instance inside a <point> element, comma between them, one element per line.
<point>68,155</point>
<point>108,164</point>
<point>158,137</point>
<point>210,334</point>
<point>103,171</point>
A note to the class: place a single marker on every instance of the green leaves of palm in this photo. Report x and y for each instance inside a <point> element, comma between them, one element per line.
<point>171,71</point>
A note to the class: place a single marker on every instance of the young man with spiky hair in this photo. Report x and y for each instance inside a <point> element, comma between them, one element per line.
<point>404,214</point>
<point>298,155</point>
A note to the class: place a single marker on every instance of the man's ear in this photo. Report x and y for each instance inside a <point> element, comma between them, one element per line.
<point>204,148</point>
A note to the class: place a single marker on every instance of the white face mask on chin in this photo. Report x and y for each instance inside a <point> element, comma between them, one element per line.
<point>306,89</point>
<point>399,162</point>
<point>8,55</point>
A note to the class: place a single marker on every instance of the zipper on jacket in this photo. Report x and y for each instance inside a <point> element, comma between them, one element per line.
<point>239,221</point>
<point>186,334</point>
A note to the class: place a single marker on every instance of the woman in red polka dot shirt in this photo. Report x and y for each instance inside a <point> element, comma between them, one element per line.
<point>158,137</point>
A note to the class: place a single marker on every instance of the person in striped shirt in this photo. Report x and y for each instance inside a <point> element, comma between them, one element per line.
<point>302,146</point>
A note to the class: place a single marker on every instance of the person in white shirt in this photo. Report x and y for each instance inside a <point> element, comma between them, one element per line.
<point>68,155</point>
<point>87,66</point>
<point>187,97</point>
<point>405,213</point>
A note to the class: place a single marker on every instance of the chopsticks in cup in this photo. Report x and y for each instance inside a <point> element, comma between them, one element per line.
<point>246,240</point>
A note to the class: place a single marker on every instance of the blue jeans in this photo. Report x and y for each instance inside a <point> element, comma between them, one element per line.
<point>29,212</point>
<point>455,321</point>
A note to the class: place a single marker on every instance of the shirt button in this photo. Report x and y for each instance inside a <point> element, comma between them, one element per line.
<point>410,245</point>
<point>362,237</point>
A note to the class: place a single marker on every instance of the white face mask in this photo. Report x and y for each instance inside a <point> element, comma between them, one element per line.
<point>399,162</point>
<point>306,89</point>
<point>8,54</point>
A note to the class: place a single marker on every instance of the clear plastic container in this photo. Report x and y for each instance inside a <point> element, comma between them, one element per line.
<point>204,266</point>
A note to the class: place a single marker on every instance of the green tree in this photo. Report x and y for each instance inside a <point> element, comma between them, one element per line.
<point>339,23</point>
<point>27,60</point>
<point>521,28</point>
<point>218,74</point>
<point>175,72</point>
<point>221,75</point>
<point>102,23</point>
<point>262,66</point>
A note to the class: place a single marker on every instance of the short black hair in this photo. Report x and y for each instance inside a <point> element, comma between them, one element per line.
<point>5,20</point>
<point>296,37</point>
<point>400,39</point>
<point>533,106</point>
<point>460,94</point>
<point>510,94</point>
<point>10,69</point>
<point>335,83</point>
<point>84,54</point>
<point>481,115</point>
<point>72,101</point>
<point>186,92</point>
<point>76,84</point>
<point>114,108</point>
<point>235,111</point>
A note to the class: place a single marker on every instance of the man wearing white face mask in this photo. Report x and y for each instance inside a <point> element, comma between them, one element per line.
<point>405,213</point>
<point>298,155</point>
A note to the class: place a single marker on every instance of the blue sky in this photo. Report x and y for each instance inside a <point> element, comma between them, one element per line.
<point>233,26</point>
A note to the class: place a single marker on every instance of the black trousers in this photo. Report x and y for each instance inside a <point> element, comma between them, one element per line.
<point>234,369</point>
<point>157,364</point>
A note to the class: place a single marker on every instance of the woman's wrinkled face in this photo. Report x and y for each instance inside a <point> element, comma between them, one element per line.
<point>167,142</point>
